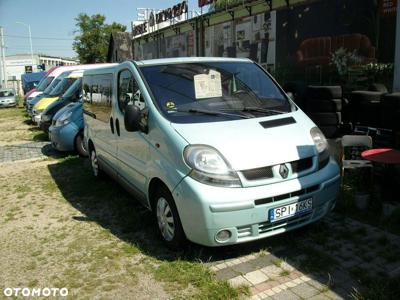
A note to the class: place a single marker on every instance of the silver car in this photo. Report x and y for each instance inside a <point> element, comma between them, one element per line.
<point>7,98</point>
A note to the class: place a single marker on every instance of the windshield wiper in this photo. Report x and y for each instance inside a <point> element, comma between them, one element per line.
<point>210,112</point>
<point>256,109</point>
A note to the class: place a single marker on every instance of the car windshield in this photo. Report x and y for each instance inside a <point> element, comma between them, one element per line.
<point>6,93</point>
<point>74,90</point>
<point>44,83</point>
<point>62,86</point>
<point>214,91</point>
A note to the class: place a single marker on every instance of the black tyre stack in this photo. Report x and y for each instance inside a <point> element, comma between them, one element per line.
<point>324,107</point>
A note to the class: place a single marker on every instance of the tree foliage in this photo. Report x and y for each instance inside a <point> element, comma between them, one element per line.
<point>93,37</point>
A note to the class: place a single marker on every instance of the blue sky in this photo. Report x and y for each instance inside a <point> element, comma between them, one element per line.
<point>55,19</point>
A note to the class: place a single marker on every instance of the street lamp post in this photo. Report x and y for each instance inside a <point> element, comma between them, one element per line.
<point>30,40</point>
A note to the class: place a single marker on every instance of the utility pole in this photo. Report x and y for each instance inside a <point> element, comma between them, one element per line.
<point>3,58</point>
<point>396,77</point>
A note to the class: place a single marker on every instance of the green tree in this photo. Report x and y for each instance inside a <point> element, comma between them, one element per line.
<point>93,37</point>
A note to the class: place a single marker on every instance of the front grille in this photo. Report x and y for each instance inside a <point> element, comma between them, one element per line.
<point>267,173</point>
<point>301,165</point>
<point>259,173</point>
<point>287,196</point>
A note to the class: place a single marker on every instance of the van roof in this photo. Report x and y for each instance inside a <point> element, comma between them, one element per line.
<point>177,60</point>
<point>164,61</point>
<point>60,69</point>
<point>109,69</point>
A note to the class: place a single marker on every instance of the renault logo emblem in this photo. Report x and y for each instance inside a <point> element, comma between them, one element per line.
<point>284,171</point>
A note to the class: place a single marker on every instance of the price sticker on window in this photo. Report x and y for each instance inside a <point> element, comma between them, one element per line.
<point>208,85</point>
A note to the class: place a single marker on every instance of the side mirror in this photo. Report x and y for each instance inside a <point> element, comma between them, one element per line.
<point>133,119</point>
<point>290,95</point>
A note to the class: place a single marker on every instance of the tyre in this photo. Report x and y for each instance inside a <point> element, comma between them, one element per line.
<point>80,145</point>
<point>333,105</point>
<point>324,92</point>
<point>358,97</point>
<point>326,119</point>
<point>94,162</point>
<point>168,221</point>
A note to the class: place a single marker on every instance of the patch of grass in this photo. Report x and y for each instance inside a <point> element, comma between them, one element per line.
<point>184,273</point>
<point>129,249</point>
<point>277,262</point>
<point>284,273</point>
<point>12,112</point>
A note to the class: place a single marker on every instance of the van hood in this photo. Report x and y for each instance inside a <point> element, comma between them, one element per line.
<point>254,143</point>
<point>44,103</point>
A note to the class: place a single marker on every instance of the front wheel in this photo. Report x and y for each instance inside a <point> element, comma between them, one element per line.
<point>94,162</point>
<point>168,220</point>
<point>80,145</point>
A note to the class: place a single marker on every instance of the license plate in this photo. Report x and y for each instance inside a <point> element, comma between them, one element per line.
<point>290,210</point>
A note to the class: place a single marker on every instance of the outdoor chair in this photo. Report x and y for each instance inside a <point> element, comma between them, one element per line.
<point>352,147</point>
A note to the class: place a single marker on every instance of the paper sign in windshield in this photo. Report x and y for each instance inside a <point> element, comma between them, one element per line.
<point>208,85</point>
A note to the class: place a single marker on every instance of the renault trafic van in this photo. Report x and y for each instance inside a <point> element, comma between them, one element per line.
<point>213,146</point>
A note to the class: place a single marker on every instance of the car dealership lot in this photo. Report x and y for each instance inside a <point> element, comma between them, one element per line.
<point>61,228</point>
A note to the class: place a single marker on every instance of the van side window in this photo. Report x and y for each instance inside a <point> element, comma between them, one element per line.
<point>97,95</point>
<point>128,91</point>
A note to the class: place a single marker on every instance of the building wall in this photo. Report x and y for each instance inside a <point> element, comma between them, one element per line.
<point>15,67</point>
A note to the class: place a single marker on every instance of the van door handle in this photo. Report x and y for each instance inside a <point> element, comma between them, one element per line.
<point>112,125</point>
<point>117,126</point>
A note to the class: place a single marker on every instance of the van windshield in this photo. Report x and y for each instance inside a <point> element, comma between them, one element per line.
<point>214,91</point>
<point>62,87</point>
<point>55,82</point>
<point>44,83</point>
<point>74,90</point>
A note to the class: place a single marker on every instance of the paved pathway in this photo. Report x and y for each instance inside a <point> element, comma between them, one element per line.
<point>346,251</point>
<point>32,150</point>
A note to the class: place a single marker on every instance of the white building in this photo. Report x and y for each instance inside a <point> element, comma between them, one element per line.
<point>15,66</point>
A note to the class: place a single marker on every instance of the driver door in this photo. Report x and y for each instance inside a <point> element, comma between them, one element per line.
<point>133,149</point>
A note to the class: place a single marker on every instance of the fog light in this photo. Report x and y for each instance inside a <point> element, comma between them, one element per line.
<point>223,236</point>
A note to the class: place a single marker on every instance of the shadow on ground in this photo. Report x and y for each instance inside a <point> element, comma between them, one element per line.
<point>312,250</point>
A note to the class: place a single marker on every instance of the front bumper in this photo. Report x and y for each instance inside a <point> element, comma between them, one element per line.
<point>205,210</point>
<point>8,104</point>
<point>63,137</point>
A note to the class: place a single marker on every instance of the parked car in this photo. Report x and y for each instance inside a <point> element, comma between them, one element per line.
<point>32,102</point>
<point>213,146</point>
<point>72,94</point>
<point>51,75</point>
<point>7,98</point>
<point>60,89</point>
<point>66,131</point>
<point>54,95</point>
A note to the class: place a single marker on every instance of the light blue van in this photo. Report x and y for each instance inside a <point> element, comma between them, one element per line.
<point>213,146</point>
<point>66,130</point>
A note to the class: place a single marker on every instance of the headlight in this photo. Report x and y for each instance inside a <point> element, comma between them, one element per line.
<point>319,139</point>
<point>64,119</point>
<point>46,118</point>
<point>210,167</point>
<point>322,147</point>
